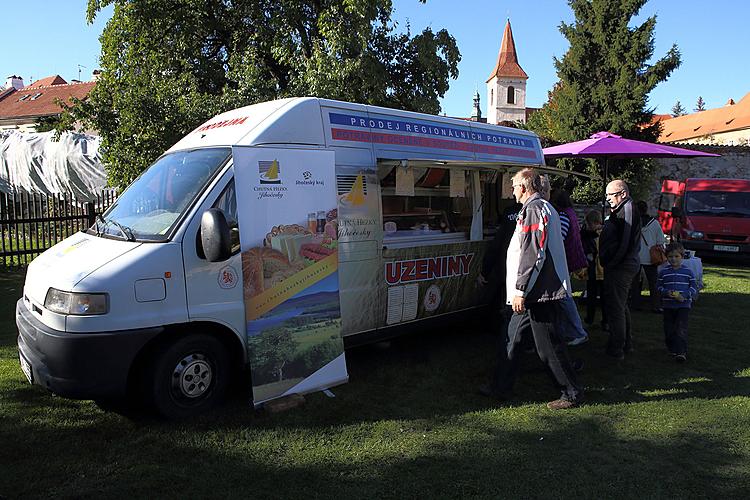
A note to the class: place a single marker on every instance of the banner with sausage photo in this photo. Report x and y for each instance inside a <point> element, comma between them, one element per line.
<point>287,206</point>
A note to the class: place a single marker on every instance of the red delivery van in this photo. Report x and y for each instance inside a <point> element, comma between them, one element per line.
<point>710,216</point>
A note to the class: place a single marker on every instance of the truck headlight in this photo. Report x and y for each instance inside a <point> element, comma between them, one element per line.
<point>694,235</point>
<point>78,304</point>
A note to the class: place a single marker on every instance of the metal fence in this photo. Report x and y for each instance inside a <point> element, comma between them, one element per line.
<point>30,223</point>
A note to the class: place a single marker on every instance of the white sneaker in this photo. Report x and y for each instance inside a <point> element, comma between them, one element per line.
<point>578,341</point>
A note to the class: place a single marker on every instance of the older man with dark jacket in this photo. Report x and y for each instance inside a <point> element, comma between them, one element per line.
<point>537,281</point>
<point>619,244</point>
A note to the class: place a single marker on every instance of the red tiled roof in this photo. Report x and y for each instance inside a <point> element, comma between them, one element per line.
<point>43,104</point>
<point>712,121</point>
<point>507,62</point>
<point>660,118</point>
<point>45,82</point>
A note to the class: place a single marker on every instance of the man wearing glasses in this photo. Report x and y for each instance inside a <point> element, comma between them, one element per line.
<point>619,244</point>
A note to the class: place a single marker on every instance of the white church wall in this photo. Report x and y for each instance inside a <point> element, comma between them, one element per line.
<point>498,108</point>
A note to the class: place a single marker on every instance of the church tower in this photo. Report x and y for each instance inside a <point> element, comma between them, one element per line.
<point>476,112</point>
<point>506,86</point>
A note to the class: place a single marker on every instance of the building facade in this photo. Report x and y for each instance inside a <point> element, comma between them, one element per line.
<point>22,107</point>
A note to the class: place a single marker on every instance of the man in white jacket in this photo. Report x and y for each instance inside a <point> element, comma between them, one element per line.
<point>537,281</point>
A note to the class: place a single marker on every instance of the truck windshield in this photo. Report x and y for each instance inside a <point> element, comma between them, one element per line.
<point>149,208</point>
<point>718,203</point>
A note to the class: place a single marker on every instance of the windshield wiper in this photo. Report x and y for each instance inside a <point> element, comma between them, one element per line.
<point>96,224</point>
<point>730,213</point>
<point>125,230</point>
<point>719,213</point>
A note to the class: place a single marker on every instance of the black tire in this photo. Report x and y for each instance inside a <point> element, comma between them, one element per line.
<point>188,376</point>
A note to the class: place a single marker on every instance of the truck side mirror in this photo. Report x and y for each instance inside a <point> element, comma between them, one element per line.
<point>215,238</point>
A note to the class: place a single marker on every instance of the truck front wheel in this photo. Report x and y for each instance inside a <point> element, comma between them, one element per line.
<point>188,376</point>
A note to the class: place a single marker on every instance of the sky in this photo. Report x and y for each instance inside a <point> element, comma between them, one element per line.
<point>49,37</point>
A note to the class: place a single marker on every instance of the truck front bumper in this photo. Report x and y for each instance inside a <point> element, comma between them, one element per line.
<point>78,365</point>
<point>703,247</point>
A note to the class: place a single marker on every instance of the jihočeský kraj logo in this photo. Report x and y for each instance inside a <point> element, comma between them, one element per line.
<point>269,172</point>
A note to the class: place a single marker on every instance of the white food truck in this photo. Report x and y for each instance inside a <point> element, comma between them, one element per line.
<point>354,219</point>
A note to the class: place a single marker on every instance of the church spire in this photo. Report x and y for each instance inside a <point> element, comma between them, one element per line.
<point>476,113</point>
<point>507,61</point>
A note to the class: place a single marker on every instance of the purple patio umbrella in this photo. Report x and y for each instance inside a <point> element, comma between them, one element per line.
<point>606,145</point>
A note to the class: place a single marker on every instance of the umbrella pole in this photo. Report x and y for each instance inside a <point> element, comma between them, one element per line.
<point>604,182</point>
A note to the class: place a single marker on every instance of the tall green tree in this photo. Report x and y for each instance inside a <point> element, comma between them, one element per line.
<point>700,105</point>
<point>605,78</point>
<point>678,109</point>
<point>168,65</point>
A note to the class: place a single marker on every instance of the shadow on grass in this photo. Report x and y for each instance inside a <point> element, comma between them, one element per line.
<point>487,455</point>
<point>410,424</point>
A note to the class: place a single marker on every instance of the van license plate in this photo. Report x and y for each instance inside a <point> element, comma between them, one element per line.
<point>726,248</point>
<point>26,367</point>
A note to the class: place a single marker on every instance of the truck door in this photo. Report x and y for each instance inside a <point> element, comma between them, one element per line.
<point>671,191</point>
<point>214,289</point>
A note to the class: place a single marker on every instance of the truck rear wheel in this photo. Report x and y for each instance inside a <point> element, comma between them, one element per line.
<point>188,376</point>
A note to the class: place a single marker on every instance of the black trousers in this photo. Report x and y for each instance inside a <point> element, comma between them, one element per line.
<point>594,288</point>
<point>635,289</point>
<point>539,320</point>
<point>617,282</point>
<point>675,329</point>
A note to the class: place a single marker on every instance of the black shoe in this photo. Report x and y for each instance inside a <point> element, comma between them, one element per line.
<point>577,365</point>
<point>618,355</point>
<point>680,358</point>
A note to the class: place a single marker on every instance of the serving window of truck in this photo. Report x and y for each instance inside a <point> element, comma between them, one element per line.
<point>429,205</point>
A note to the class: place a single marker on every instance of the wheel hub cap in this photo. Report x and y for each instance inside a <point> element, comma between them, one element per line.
<point>192,376</point>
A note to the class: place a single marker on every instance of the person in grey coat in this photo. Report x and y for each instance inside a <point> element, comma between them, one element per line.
<point>537,280</point>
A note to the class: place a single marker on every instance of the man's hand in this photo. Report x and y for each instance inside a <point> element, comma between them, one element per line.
<point>518,304</point>
<point>482,280</point>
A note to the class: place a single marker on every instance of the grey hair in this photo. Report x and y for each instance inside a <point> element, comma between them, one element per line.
<point>530,180</point>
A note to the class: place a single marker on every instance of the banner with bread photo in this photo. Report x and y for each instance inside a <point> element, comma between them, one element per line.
<point>287,207</point>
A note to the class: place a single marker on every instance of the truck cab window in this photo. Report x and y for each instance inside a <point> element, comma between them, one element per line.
<point>150,208</point>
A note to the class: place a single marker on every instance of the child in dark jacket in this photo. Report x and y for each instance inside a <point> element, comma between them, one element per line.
<point>678,288</point>
<point>595,274</point>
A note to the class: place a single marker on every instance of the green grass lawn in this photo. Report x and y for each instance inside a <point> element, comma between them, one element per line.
<point>410,425</point>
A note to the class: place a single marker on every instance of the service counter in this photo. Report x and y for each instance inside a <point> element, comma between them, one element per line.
<point>408,238</point>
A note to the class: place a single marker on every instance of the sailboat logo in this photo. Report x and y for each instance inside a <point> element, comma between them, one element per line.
<point>269,172</point>
<point>356,195</point>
